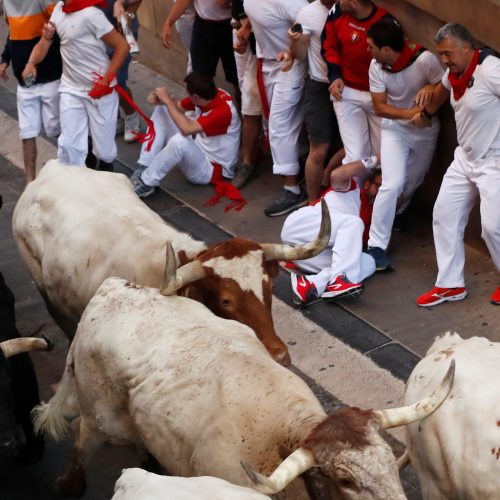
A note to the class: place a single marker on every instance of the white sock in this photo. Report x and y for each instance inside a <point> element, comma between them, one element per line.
<point>293,189</point>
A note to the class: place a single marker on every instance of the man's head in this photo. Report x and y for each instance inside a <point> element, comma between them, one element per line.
<point>385,40</point>
<point>328,3</point>
<point>455,46</point>
<point>201,89</point>
<point>354,7</point>
<point>372,184</point>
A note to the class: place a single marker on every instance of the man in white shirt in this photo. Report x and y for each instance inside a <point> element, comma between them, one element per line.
<point>320,119</point>
<point>281,89</point>
<point>339,270</point>
<point>472,83</point>
<point>88,101</point>
<point>402,78</point>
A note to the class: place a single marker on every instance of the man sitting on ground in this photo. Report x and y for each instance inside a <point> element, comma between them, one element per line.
<point>213,153</point>
<point>339,270</point>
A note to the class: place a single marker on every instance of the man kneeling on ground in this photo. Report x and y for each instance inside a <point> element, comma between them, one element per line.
<point>339,270</point>
<point>203,159</point>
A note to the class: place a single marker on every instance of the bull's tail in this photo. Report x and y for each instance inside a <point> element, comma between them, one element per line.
<point>55,416</point>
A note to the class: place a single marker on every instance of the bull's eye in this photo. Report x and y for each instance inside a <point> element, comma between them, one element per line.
<point>347,483</point>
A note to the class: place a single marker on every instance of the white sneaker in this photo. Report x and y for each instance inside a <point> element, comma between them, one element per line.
<point>132,127</point>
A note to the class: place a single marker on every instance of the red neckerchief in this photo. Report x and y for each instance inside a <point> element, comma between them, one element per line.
<point>460,83</point>
<point>407,57</point>
<point>76,5</point>
<point>223,188</point>
<point>365,212</point>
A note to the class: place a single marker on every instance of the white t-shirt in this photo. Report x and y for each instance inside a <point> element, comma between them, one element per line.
<point>477,113</point>
<point>82,49</point>
<point>402,87</point>
<point>270,22</point>
<point>312,17</point>
<point>209,10</point>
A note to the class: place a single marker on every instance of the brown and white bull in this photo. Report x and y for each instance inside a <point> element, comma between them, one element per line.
<point>456,450</point>
<point>76,227</point>
<point>202,394</point>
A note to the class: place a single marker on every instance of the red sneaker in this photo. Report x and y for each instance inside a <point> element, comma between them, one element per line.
<point>303,290</point>
<point>495,298</point>
<point>342,287</point>
<point>438,295</point>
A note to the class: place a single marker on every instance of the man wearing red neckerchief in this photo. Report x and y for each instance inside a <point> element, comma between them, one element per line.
<point>339,270</point>
<point>88,101</point>
<point>472,82</point>
<point>402,78</point>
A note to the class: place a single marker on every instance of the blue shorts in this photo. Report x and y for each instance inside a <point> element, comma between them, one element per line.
<point>122,75</point>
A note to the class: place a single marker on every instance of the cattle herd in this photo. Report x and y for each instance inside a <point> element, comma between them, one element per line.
<point>173,349</point>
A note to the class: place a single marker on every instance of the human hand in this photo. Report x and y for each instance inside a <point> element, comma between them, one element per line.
<point>336,88</point>
<point>49,30</point>
<point>240,47</point>
<point>153,99</point>
<point>162,94</point>
<point>118,11</point>
<point>287,60</point>
<point>3,71</point>
<point>420,121</point>
<point>424,96</point>
<point>29,69</point>
<point>166,34</point>
<point>100,89</point>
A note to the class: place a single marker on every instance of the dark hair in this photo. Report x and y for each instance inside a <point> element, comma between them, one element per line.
<point>456,31</point>
<point>387,33</point>
<point>202,86</point>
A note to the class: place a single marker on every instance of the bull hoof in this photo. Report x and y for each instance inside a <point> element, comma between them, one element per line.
<point>283,358</point>
<point>72,484</point>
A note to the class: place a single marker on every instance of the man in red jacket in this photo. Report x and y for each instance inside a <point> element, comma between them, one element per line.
<point>345,51</point>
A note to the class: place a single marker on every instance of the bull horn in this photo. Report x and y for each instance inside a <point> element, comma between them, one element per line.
<point>293,466</point>
<point>275,251</point>
<point>396,417</point>
<point>174,278</point>
<point>24,344</point>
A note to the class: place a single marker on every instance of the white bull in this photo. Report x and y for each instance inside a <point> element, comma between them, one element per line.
<point>75,227</point>
<point>456,451</point>
<point>137,484</point>
<point>202,394</point>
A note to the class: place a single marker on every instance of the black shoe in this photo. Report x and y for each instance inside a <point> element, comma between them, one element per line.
<point>243,174</point>
<point>286,202</point>
<point>382,262</point>
<point>400,222</point>
<point>105,166</point>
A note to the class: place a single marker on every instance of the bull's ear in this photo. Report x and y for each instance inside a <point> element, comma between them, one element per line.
<point>272,268</point>
<point>284,451</point>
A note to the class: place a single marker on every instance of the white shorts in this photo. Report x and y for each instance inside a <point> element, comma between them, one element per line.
<point>37,105</point>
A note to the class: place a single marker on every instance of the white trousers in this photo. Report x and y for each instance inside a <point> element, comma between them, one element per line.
<point>81,114</point>
<point>284,92</point>
<point>406,155</point>
<point>462,183</point>
<point>171,149</point>
<point>359,126</point>
<point>37,105</point>
<point>343,254</point>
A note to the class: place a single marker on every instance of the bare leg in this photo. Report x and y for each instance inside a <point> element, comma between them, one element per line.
<point>73,483</point>
<point>29,157</point>
<point>129,110</point>
<point>249,137</point>
<point>315,166</point>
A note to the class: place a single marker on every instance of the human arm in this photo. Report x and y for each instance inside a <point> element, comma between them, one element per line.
<point>177,10</point>
<point>385,110</point>
<point>121,50</point>
<point>299,44</point>
<point>341,177</point>
<point>243,36</point>
<point>331,53</point>
<point>424,117</point>
<point>287,59</point>
<point>185,124</point>
<point>5,60</point>
<point>37,55</point>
